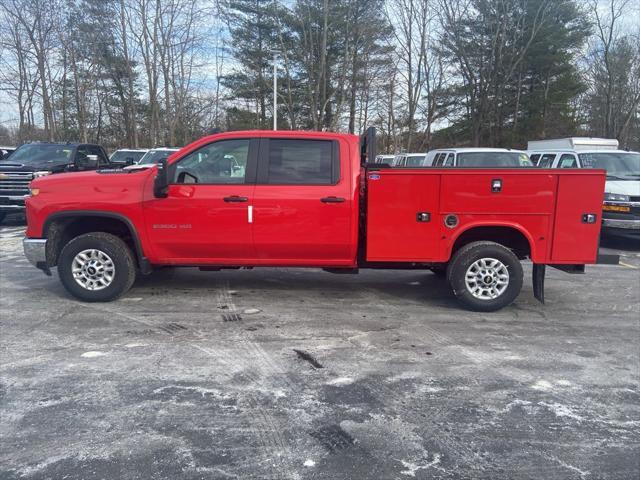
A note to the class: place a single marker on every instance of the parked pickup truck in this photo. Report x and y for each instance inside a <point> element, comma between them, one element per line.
<point>308,199</point>
<point>37,159</point>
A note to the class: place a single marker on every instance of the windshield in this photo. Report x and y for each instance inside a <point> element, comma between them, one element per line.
<point>154,156</point>
<point>121,156</point>
<point>38,153</point>
<point>619,165</point>
<point>494,159</point>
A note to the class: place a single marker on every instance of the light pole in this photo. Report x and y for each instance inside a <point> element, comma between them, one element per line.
<point>275,89</point>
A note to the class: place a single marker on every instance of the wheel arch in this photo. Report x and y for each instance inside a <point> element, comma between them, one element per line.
<point>510,235</point>
<point>61,227</point>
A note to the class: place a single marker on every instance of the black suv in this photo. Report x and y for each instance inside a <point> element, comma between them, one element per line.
<point>37,159</point>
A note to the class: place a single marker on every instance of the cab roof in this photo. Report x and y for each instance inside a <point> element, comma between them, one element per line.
<point>476,150</point>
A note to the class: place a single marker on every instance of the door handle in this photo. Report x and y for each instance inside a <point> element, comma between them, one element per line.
<point>235,198</point>
<point>332,200</point>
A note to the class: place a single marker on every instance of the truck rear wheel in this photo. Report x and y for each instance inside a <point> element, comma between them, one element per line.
<point>96,267</point>
<point>485,276</point>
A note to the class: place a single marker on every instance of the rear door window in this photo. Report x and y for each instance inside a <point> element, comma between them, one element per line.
<point>546,161</point>
<point>534,158</point>
<point>300,162</point>
<point>568,160</point>
<point>448,162</point>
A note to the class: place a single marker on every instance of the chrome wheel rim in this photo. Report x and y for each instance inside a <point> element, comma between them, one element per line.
<point>487,278</point>
<point>93,269</point>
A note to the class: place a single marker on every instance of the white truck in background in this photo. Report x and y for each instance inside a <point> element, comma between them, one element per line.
<point>621,205</point>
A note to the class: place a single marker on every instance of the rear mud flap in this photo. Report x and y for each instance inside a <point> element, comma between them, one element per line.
<point>539,270</point>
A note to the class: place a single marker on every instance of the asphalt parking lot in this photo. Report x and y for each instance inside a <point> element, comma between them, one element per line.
<point>300,374</point>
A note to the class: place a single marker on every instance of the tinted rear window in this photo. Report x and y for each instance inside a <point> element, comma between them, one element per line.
<point>301,162</point>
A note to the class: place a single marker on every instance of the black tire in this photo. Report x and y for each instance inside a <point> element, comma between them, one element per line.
<point>464,258</point>
<point>124,273</point>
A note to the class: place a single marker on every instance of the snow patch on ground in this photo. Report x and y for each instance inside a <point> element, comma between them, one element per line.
<point>309,463</point>
<point>93,354</point>
<point>201,390</point>
<point>412,468</point>
<point>542,385</point>
<point>560,410</point>
<point>340,381</point>
<point>563,383</point>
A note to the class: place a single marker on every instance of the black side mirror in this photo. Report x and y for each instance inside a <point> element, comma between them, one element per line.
<point>86,162</point>
<point>129,161</point>
<point>161,183</point>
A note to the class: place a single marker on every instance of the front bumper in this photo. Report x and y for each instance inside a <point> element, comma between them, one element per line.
<point>621,223</point>
<point>35,249</point>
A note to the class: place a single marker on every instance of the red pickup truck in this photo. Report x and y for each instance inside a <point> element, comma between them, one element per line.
<point>310,199</point>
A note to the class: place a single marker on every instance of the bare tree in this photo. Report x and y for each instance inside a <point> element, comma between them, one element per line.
<point>614,71</point>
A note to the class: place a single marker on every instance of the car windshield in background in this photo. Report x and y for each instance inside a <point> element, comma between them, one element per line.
<point>121,156</point>
<point>619,165</point>
<point>38,153</point>
<point>154,156</point>
<point>493,159</point>
<point>415,160</point>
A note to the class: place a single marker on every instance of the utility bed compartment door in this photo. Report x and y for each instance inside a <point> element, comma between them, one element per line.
<point>523,192</point>
<point>394,230</point>
<point>574,240</point>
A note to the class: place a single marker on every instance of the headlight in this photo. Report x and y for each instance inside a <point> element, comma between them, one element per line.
<point>615,197</point>
<point>43,173</point>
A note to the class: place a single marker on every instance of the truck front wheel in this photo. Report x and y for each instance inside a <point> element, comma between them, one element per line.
<point>96,267</point>
<point>485,276</point>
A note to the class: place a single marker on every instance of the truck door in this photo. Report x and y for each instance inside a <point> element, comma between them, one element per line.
<point>206,217</point>
<point>303,202</point>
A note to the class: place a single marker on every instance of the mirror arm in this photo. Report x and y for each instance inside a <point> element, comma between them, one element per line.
<point>161,182</point>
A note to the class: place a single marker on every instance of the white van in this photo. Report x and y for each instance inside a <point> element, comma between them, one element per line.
<point>621,208</point>
<point>477,157</point>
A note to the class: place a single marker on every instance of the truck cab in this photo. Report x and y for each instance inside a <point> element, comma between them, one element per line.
<point>621,202</point>
<point>311,199</point>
